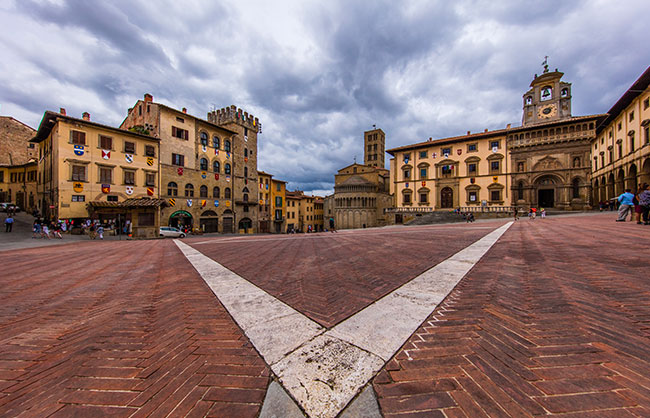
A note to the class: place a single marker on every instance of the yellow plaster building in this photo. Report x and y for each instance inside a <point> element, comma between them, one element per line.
<point>621,148</point>
<point>279,205</point>
<point>448,173</point>
<point>86,166</point>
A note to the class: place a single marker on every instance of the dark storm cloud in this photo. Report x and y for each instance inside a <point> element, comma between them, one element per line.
<point>317,74</point>
<point>108,22</point>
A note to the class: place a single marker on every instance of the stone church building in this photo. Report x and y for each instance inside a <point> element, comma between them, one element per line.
<point>361,191</point>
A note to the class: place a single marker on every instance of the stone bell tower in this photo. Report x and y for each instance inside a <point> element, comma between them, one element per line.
<point>549,98</point>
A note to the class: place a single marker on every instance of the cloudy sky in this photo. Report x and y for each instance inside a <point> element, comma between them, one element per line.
<point>317,73</point>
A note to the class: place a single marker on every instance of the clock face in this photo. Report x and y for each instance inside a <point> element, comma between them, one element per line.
<point>547,111</point>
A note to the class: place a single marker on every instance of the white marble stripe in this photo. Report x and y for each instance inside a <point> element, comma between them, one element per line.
<point>322,370</point>
<point>382,327</point>
<point>274,328</point>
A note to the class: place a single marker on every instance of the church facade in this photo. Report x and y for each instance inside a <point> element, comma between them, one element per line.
<point>362,191</point>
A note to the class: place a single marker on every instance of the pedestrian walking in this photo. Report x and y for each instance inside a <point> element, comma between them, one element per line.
<point>332,229</point>
<point>57,230</point>
<point>542,212</point>
<point>515,213</point>
<point>644,202</point>
<point>91,231</point>
<point>36,229</point>
<point>626,200</point>
<point>100,231</point>
<point>45,231</point>
<point>9,223</point>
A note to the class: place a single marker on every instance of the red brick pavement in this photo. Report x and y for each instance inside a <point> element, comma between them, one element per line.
<point>329,277</point>
<point>554,320</point>
<point>123,329</point>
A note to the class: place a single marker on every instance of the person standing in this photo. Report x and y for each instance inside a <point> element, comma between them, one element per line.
<point>100,231</point>
<point>543,213</point>
<point>9,223</point>
<point>644,202</point>
<point>45,231</point>
<point>638,209</point>
<point>626,200</point>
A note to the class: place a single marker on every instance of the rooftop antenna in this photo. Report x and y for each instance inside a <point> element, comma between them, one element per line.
<point>355,159</point>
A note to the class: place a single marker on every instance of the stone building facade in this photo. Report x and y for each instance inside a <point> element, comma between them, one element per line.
<point>361,197</point>
<point>550,152</point>
<point>208,167</point>
<point>361,191</point>
<point>621,147</point>
<point>18,164</point>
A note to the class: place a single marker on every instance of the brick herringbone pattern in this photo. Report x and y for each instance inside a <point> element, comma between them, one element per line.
<point>554,320</point>
<point>329,277</point>
<point>124,329</point>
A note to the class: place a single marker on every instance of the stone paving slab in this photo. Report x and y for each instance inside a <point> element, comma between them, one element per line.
<point>124,329</point>
<point>555,319</point>
<point>330,276</point>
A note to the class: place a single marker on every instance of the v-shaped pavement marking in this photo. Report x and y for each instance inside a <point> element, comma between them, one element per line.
<point>324,369</point>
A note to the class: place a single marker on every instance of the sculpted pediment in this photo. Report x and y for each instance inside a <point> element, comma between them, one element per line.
<point>548,163</point>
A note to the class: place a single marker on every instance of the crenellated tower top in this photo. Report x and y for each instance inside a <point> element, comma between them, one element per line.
<point>233,114</point>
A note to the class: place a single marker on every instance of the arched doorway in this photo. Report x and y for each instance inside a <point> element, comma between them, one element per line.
<point>181,219</point>
<point>227,223</point>
<point>245,225</point>
<point>631,182</point>
<point>644,177</point>
<point>620,182</point>
<point>546,192</point>
<point>209,221</point>
<point>610,186</point>
<point>446,198</point>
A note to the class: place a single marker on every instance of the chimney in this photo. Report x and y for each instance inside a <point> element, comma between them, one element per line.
<point>148,98</point>
<point>508,126</point>
<point>62,110</point>
<point>430,139</point>
<point>468,132</point>
<point>486,130</point>
<point>184,110</point>
<point>86,116</point>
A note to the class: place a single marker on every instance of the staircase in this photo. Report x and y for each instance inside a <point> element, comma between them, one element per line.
<point>441,217</point>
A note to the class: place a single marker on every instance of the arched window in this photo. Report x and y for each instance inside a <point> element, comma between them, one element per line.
<point>216,167</point>
<point>226,145</point>
<point>172,189</point>
<point>203,191</point>
<point>215,142</point>
<point>216,192</point>
<point>204,164</point>
<point>245,197</point>
<point>245,152</point>
<point>529,100</point>
<point>245,172</point>
<point>520,191</point>
<point>226,193</point>
<point>226,168</point>
<point>189,190</point>
<point>576,188</point>
<point>204,139</point>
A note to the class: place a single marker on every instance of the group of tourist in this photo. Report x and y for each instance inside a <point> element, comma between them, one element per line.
<point>48,230</point>
<point>635,203</point>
